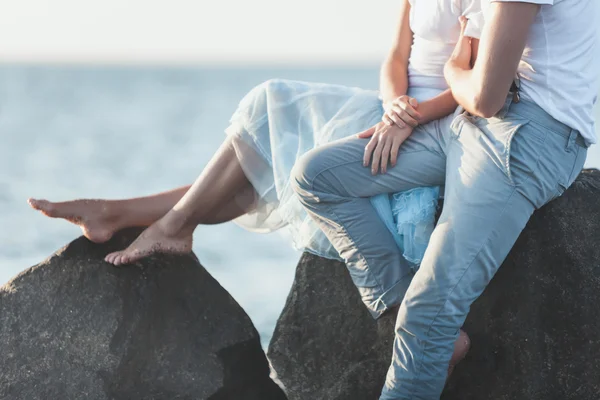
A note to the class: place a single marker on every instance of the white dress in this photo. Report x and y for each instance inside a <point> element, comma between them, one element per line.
<point>280,120</point>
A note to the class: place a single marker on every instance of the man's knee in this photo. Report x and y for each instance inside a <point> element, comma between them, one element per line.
<point>327,169</point>
<point>429,319</point>
<point>305,171</point>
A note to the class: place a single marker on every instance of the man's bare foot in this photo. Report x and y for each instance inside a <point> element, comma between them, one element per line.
<point>461,348</point>
<point>157,238</point>
<point>92,216</point>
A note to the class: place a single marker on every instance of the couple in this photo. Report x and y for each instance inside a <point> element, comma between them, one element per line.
<point>513,145</point>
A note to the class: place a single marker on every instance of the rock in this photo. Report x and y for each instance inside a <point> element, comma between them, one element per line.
<point>534,330</point>
<point>326,346</point>
<point>75,327</point>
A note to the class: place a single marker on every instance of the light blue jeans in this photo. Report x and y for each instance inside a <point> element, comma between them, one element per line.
<point>496,172</point>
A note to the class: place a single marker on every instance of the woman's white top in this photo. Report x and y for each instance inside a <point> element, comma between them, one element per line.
<point>436,29</point>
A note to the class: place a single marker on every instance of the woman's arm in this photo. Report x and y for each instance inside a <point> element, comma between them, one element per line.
<point>394,74</point>
<point>444,103</point>
<point>394,71</point>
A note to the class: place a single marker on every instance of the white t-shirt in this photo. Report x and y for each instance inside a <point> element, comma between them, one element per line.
<point>436,29</point>
<point>560,67</point>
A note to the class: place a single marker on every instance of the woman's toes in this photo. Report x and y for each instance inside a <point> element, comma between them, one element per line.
<point>40,205</point>
<point>33,202</point>
<point>117,260</point>
<point>111,258</point>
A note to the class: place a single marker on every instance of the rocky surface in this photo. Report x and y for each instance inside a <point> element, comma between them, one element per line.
<point>75,327</point>
<point>534,330</point>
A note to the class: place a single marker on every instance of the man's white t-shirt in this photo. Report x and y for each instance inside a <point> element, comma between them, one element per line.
<point>560,67</point>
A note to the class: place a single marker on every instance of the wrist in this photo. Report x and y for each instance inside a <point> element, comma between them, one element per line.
<point>387,105</point>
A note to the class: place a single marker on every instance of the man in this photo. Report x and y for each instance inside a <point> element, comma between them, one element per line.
<point>505,157</point>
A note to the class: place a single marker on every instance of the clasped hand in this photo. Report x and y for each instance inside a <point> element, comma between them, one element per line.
<point>397,124</point>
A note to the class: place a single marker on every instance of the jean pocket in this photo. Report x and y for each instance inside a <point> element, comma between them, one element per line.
<point>573,170</point>
<point>457,124</point>
<point>512,147</point>
<point>521,155</point>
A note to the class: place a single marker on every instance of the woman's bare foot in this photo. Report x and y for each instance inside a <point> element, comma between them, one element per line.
<point>157,238</point>
<point>92,216</point>
<point>461,348</point>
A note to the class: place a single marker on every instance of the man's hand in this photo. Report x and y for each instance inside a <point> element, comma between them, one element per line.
<point>402,111</point>
<point>383,146</point>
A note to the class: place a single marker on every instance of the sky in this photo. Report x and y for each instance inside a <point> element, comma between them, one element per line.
<point>196,31</point>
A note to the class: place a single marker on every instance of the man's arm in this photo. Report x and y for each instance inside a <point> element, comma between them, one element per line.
<point>482,90</point>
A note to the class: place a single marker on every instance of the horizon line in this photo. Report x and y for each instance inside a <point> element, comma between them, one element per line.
<point>195,62</point>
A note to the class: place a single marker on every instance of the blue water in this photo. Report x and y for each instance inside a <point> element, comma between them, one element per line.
<point>72,132</point>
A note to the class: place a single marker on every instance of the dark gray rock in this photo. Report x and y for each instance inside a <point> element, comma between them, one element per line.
<point>75,327</point>
<point>326,346</point>
<point>535,330</point>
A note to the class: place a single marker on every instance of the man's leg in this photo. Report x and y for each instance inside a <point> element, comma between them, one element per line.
<point>335,188</point>
<point>495,180</point>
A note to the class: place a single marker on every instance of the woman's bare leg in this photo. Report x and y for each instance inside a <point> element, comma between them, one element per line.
<point>100,219</point>
<point>222,181</point>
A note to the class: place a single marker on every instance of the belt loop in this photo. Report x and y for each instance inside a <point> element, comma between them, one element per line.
<point>572,140</point>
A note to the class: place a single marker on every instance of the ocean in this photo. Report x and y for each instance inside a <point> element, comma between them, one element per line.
<point>115,132</point>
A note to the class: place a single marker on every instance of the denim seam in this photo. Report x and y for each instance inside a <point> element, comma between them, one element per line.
<point>339,182</point>
<point>352,241</point>
<point>457,283</point>
<point>570,175</point>
<point>542,124</point>
<point>350,162</point>
<point>395,286</point>
<point>508,146</point>
<point>361,256</point>
<point>537,164</point>
<point>312,182</point>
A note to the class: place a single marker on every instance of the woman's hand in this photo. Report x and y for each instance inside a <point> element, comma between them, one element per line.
<point>383,146</point>
<point>402,111</point>
<point>461,56</point>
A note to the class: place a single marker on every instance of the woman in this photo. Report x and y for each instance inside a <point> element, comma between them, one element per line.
<point>277,122</point>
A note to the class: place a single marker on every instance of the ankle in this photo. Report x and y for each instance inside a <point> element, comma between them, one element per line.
<point>176,224</point>
<point>116,214</point>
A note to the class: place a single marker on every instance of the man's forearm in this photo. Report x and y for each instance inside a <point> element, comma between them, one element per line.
<point>393,80</point>
<point>482,90</point>
<point>467,90</point>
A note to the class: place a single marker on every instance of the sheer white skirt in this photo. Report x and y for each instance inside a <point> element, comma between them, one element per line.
<point>280,120</point>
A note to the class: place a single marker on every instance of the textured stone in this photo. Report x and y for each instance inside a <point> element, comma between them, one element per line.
<point>75,327</point>
<point>534,330</point>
